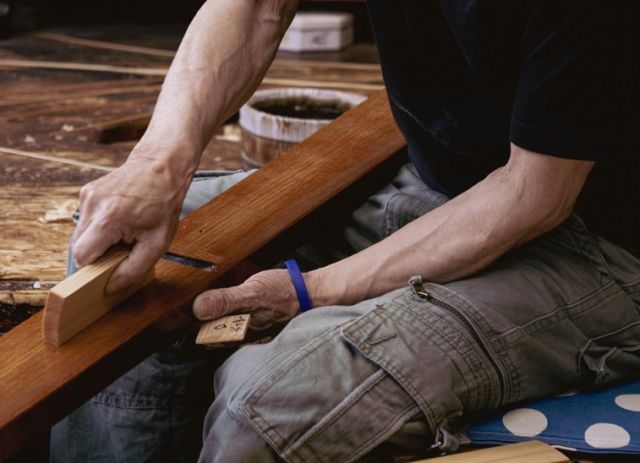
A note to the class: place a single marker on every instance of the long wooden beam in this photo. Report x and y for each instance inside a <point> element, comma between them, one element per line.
<point>162,71</point>
<point>40,384</point>
<point>171,53</point>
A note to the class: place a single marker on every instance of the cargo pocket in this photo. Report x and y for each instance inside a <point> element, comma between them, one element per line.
<point>610,357</point>
<point>324,403</point>
<point>433,357</point>
<point>350,389</point>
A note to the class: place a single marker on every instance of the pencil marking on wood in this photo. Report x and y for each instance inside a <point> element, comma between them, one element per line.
<point>232,328</point>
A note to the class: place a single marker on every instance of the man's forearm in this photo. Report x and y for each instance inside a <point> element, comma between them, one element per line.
<point>530,195</point>
<point>223,57</point>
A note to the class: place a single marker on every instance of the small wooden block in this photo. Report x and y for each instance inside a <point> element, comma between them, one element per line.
<point>523,452</point>
<point>79,300</point>
<point>232,328</point>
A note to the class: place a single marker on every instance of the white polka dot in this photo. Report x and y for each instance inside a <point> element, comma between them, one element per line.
<point>629,402</point>
<point>606,436</point>
<point>525,422</point>
<point>567,394</point>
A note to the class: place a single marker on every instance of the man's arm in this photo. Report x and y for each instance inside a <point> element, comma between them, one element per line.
<point>221,60</point>
<point>533,193</point>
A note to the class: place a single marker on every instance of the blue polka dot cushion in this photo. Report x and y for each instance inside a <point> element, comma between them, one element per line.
<point>602,421</point>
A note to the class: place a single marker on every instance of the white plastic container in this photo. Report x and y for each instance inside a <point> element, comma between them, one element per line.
<point>318,32</point>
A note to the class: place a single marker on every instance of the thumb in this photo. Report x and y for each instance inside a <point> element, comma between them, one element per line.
<point>217,303</point>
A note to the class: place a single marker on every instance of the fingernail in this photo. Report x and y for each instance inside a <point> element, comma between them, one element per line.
<point>202,308</point>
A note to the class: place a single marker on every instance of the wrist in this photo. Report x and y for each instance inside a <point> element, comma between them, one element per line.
<point>174,165</point>
<point>322,291</point>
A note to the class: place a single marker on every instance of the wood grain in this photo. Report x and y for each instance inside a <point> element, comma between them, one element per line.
<point>39,383</point>
<point>171,53</point>
<point>161,71</point>
<point>48,157</point>
<point>524,452</point>
<point>105,45</point>
<point>91,67</point>
<point>81,299</point>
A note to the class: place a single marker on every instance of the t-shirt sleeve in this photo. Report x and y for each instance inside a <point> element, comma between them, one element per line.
<point>579,81</point>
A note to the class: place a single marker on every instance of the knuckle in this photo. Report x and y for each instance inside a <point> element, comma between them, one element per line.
<point>108,227</point>
<point>224,301</point>
<point>86,192</point>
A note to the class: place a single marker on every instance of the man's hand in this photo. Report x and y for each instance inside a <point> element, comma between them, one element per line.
<point>223,57</point>
<point>138,204</point>
<point>268,296</point>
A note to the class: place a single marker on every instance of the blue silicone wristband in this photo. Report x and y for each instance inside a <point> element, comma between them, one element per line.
<point>298,283</point>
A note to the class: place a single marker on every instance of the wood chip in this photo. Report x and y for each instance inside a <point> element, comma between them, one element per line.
<point>61,213</point>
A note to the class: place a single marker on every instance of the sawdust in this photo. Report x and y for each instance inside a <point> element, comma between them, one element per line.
<point>61,213</point>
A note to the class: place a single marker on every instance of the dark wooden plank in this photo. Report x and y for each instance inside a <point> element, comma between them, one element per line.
<point>39,384</point>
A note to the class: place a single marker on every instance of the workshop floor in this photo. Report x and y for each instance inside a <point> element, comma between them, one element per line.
<point>70,111</point>
<point>65,115</point>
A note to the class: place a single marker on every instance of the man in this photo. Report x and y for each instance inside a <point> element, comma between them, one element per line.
<point>506,107</point>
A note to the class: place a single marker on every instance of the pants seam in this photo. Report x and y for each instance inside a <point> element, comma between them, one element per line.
<point>264,429</point>
<point>453,346</point>
<point>332,416</point>
<point>614,332</point>
<point>387,229</point>
<point>580,306</point>
<point>234,394</point>
<point>481,377</point>
<point>372,442</point>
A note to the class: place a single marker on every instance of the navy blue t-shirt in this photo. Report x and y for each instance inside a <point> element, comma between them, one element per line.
<point>467,77</point>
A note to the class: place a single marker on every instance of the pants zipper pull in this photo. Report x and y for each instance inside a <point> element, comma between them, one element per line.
<point>418,287</point>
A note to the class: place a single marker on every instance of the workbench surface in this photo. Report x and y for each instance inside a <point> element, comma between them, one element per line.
<point>57,112</point>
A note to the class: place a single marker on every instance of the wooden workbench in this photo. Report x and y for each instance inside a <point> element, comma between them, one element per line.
<point>55,112</point>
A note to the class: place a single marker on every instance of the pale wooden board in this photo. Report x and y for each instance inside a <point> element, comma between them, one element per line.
<point>523,452</point>
<point>79,300</point>
<point>232,328</point>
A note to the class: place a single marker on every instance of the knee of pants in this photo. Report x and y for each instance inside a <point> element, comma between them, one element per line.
<point>227,435</point>
<point>300,402</point>
<point>228,439</point>
<point>234,379</point>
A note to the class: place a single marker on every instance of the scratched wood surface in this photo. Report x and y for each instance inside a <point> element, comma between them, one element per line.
<point>38,378</point>
<point>55,112</point>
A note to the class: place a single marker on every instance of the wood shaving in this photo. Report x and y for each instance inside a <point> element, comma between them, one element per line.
<point>61,213</point>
